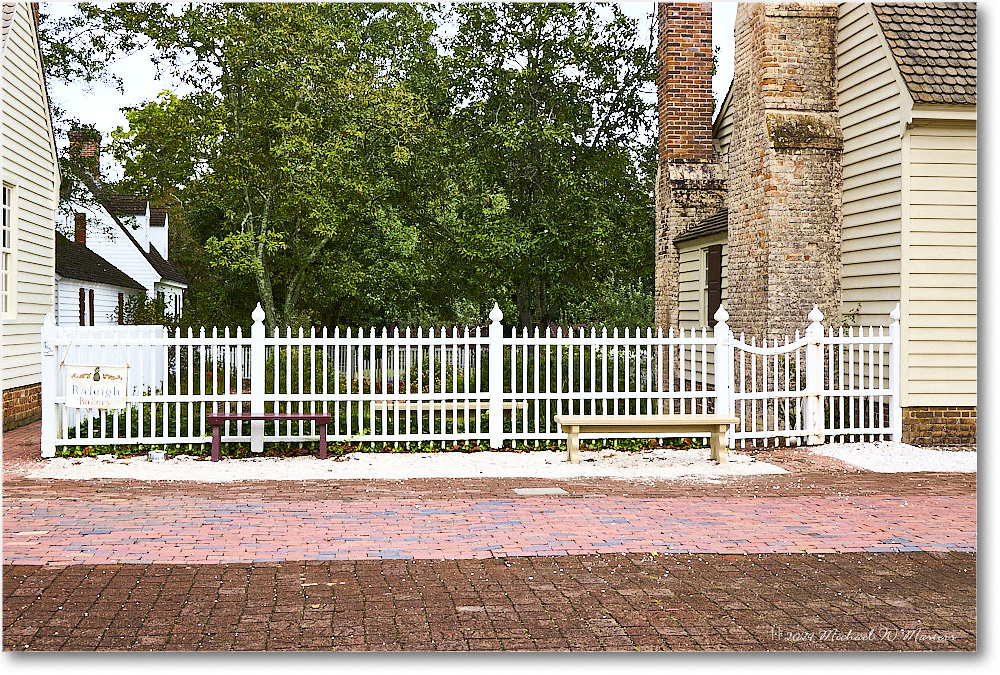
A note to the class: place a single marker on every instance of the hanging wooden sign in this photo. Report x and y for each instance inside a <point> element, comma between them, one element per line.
<point>96,386</point>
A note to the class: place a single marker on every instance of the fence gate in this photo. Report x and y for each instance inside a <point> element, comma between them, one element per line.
<point>838,385</point>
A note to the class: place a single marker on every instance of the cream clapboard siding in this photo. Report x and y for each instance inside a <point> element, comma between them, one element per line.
<point>29,166</point>
<point>692,310</point>
<point>939,365</point>
<point>723,128</point>
<point>870,102</point>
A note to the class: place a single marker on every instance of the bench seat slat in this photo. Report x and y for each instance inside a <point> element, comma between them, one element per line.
<point>644,420</point>
<point>253,417</point>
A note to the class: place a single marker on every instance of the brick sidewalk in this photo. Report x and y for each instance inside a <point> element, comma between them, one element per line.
<point>843,602</point>
<point>608,565</point>
<point>198,530</point>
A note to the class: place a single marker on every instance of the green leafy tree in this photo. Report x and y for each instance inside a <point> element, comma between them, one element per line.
<point>556,140</point>
<point>299,123</point>
<point>334,164</point>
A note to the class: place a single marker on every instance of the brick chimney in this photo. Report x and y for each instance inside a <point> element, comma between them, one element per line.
<point>785,169</point>
<point>690,182</point>
<point>86,144</point>
<point>684,81</point>
<point>80,231</point>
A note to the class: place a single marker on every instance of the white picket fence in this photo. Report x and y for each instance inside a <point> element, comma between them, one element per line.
<point>441,385</point>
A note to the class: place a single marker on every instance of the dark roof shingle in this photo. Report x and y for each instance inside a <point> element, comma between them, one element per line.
<point>76,261</point>
<point>125,205</point>
<point>7,10</point>
<point>934,45</point>
<point>163,267</point>
<point>717,223</point>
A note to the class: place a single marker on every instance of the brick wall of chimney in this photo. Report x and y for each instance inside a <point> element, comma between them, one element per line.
<point>87,145</point>
<point>80,230</point>
<point>784,169</point>
<point>684,81</point>
<point>690,183</point>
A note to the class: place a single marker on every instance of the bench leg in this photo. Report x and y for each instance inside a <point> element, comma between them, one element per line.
<point>573,446</point>
<point>322,441</point>
<point>216,442</point>
<point>719,450</point>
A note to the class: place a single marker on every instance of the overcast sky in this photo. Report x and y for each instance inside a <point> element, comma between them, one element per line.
<point>101,105</point>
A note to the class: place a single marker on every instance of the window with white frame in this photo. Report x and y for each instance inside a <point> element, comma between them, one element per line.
<point>8,298</point>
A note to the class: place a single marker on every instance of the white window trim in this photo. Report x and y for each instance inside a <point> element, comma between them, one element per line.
<point>11,210</point>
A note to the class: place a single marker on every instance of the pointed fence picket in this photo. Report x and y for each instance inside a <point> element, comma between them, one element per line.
<point>484,385</point>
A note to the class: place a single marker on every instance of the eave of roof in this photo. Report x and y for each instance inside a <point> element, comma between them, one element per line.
<point>717,223</point>
<point>164,267</point>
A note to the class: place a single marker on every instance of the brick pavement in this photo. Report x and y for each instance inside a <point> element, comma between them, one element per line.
<point>610,565</point>
<point>198,530</point>
<point>627,602</point>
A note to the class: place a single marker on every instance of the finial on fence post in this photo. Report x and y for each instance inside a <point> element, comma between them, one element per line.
<point>496,314</point>
<point>895,314</point>
<point>816,316</point>
<point>258,314</point>
<point>721,315</point>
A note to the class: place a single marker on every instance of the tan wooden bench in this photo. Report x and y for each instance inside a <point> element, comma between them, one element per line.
<point>653,425</point>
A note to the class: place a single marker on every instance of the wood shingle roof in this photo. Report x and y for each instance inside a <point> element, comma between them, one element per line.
<point>934,45</point>
<point>717,223</point>
<point>76,261</point>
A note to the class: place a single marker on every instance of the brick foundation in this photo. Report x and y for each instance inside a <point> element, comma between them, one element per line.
<point>21,405</point>
<point>950,425</point>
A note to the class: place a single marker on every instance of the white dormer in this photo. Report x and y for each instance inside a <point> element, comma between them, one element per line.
<point>138,223</point>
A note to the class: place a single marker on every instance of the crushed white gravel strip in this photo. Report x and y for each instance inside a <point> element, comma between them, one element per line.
<point>647,464</point>
<point>660,464</point>
<point>890,457</point>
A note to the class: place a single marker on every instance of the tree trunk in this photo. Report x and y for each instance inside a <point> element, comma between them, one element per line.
<point>524,304</point>
<point>263,280</point>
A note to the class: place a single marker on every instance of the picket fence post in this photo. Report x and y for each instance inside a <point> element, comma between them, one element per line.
<point>50,373</point>
<point>495,381</point>
<point>814,421</point>
<point>895,409</point>
<point>724,384</point>
<point>257,378</point>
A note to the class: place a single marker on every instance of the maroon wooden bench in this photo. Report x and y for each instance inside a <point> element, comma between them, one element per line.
<point>217,420</point>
